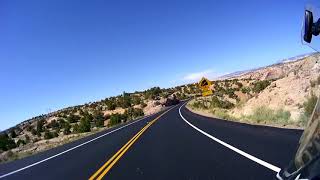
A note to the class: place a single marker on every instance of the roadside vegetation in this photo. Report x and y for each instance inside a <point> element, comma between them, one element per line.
<point>308,107</point>
<point>65,125</point>
<point>74,122</point>
<point>231,94</point>
<point>265,115</point>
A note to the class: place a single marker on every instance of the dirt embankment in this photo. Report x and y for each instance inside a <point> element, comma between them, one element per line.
<point>279,95</point>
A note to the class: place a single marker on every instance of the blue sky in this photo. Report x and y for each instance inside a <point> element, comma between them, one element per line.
<point>54,54</point>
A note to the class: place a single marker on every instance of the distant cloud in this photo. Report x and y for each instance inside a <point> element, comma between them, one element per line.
<point>196,76</point>
<point>193,77</point>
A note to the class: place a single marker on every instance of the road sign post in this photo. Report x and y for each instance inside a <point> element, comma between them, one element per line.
<point>204,85</point>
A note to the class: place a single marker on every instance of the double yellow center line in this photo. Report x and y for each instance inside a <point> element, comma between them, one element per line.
<point>115,158</point>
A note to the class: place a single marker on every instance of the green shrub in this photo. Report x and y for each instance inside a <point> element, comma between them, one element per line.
<point>98,119</point>
<point>20,141</point>
<point>55,133</point>
<point>27,140</point>
<point>66,128</point>
<point>13,133</point>
<point>313,83</point>
<point>85,125</point>
<point>137,112</point>
<point>232,95</point>
<point>216,103</point>
<point>29,127</point>
<point>195,105</point>
<point>81,112</point>
<point>61,123</point>
<point>239,84</point>
<point>303,120</point>
<point>114,119</point>
<point>181,96</point>
<point>53,124</point>
<point>265,114</point>
<point>73,118</point>
<point>223,114</point>
<point>75,128</point>
<point>40,124</point>
<point>136,100</point>
<point>199,105</point>
<point>230,91</point>
<point>6,142</point>
<point>245,90</point>
<point>87,116</point>
<point>143,105</point>
<point>128,113</point>
<point>117,118</point>
<point>48,135</point>
<point>110,105</point>
<point>33,132</point>
<point>260,85</point>
<point>220,91</point>
<point>261,114</point>
<point>125,101</point>
<point>282,116</point>
<point>152,93</point>
<point>309,105</point>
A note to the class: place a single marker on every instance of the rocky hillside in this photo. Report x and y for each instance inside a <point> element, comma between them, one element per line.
<point>293,83</point>
<point>282,93</point>
<point>65,125</point>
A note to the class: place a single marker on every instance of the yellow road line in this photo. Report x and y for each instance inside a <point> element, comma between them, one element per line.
<point>115,158</point>
<point>120,155</point>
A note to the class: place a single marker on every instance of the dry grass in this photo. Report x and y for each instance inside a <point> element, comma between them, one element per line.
<point>261,116</point>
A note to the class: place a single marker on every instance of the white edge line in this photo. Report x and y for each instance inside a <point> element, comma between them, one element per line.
<point>255,159</point>
<point>75,147</point>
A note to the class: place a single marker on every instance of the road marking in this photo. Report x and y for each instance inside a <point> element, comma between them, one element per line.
<point>59,154</point>
<point>123,152</point>
<point>253,158</point>
<point>115,158</point>
<point>111,159</point>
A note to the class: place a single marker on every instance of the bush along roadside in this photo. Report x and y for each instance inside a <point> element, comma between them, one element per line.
<point>225,102</point>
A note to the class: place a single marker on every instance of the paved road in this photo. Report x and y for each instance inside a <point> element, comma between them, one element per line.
<point>176,145</point>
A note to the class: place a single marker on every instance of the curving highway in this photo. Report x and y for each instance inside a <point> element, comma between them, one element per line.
<point>172,144</point>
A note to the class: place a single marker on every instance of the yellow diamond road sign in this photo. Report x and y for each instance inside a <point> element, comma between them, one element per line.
<point>205,84</point>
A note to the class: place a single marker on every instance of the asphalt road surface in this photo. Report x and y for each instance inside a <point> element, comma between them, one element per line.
<point>173,144</point>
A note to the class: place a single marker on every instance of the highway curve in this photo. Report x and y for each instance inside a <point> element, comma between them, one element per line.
<point>172,144</point>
